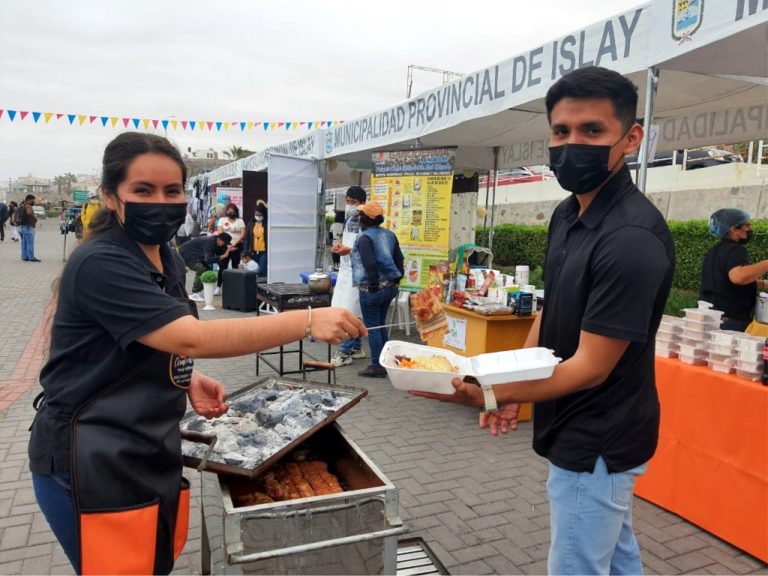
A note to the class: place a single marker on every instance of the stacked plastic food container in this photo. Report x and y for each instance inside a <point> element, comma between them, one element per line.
<point>669,337</point>
<point>697,340</point>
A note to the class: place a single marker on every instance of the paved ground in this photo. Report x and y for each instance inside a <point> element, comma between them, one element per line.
<point>479,502</point>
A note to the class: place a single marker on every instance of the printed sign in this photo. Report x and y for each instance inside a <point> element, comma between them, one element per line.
<point>456,337</point>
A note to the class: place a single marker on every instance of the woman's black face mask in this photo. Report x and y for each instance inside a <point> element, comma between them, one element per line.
<point>153,223</point>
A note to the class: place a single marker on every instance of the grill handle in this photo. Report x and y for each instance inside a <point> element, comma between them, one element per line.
<point>312,546</point>
<point>200,438</point>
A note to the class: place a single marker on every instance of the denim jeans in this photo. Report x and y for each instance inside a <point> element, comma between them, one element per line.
<point>591,521</point>
<point>54,496</point>
<point>351,346</point>
<point>27,242</point>
<point>374,306</point>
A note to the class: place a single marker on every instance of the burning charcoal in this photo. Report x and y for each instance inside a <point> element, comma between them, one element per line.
<point>269,418</point>
<point>196,425</point>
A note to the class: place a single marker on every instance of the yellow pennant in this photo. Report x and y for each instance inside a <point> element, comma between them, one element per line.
<point>113,121</point>
<point>145,122</point>
<point>81,118</point>
<point>249,126</point>
<point>48,116</point>
<point>272,125</point>
<point>174,123</point>
<point>201,125</point>
<point>295,125</point>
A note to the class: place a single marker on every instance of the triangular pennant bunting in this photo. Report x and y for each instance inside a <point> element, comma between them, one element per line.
<point>92,118</point>
<point>154,124</point>
<point>48,116</point>
<point>243,124</point>
<point>71,118</point>
<point>23,114</point>
<point>174,123</point>
<point>184,124</point>
<point>135,122</point>
<point>266,126</point>
<point>210,125</point>
<point>165,124</point>
<point>309,125</point>
<point>81,118</point>
<point>11,114</point>
<point>218,126</point>
<point>126,121</point>
<point>192,124</point>
<point>145,123</point>
<point>36,116</point>
<point>59,116</point>
<point>104,120</point>
<point>113,120</point>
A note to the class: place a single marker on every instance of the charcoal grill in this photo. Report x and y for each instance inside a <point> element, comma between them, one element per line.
<point>353,532</point>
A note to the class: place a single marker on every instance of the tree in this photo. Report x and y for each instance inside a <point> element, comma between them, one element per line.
<point>237,152</point>
<point>64,183</point>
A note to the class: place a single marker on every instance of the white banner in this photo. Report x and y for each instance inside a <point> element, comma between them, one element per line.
<point>619,43</point>
<point>680,26</point>
<point>308,147</point>
<point>292,234</point>
<point>724,126</point>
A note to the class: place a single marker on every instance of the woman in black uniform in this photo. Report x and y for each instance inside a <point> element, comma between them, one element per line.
<point>105,448</point>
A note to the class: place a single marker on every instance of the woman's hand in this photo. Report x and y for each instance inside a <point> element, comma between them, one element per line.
<point>207,396</point>
<point>341,250</point>
<point>334,325</point>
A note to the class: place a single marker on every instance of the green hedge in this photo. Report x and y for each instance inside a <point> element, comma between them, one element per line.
<point>513,244</point>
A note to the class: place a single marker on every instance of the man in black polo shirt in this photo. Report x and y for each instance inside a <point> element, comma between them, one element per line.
<point>728,280</point>
<point>199,254</point>
<point>607,275</point>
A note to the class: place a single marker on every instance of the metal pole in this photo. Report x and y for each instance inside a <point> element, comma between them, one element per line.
<point>320,252</point>
<point>651,85</point>
<point>493,201</point>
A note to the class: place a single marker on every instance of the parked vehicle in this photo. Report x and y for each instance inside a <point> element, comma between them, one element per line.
<point>39,212</point>
<point>695,159</point>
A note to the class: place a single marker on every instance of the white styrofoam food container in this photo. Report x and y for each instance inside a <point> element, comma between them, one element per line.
<point>488,369</point>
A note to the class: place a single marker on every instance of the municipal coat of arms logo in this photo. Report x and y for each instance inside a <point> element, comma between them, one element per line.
<point>686,18</point>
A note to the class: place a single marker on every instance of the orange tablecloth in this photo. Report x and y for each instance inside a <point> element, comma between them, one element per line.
<point>711,466</point>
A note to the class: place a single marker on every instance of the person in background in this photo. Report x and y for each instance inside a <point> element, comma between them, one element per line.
<point>728,280</point>
<point>199,254</point>
<point>26,221</point>
<point>3,218</point>
<point>609,265</point>
<point>249,264</point>
<point>377,267</point>
<point>256,237</point>
<point>12,207</point>
<point>336,232</point>
<point>105,444</point>
<point>232,224</point>
<point>345,294</point>
<point>86,214</point>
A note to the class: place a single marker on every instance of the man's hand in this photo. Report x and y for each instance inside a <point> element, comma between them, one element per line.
<point>466,394</point>
<point>504,419</point>
<point>207,396</point>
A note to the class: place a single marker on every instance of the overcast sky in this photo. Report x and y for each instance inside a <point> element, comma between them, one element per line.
<point>279,60</point>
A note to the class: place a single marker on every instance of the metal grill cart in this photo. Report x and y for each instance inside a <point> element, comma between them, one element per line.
<point>279,297</point>
<point>350,532</point>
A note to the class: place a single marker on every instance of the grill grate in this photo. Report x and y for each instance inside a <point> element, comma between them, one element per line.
<point>414,558</point>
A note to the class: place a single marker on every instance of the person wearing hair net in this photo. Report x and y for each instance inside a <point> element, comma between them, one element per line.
<point>728,280</point>
<point>345,295</point>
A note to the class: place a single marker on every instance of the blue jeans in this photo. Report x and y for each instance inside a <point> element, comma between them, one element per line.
<point>54,496</point>
<point>351,346</point>
<point>374,306</point>
<point>591,521</point>
<point>27,242</point>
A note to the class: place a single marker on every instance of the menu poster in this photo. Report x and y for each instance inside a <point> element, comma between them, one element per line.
<point>414,188</point>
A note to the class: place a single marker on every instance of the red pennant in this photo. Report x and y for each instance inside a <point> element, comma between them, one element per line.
<point>154,123</point>
<point>209,125</point>
<point>92,118</point>
<point>184,124</point>
<point>1,112</point>
<point>125,122</point>
<point>280,124</point>
<point>302,123</point>
<point>23,114</point>
<point>58,116</point>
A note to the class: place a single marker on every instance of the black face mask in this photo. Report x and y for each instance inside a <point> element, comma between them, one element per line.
<point>153,223</point>
<point>580,168</point>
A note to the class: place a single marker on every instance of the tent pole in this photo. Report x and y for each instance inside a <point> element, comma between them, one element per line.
<point>651,85</point>
<point>487,195</point>
<point>493,201</point>
<point>320,250</point>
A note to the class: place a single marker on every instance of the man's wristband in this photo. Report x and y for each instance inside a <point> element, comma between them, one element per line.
<point>490,399</point>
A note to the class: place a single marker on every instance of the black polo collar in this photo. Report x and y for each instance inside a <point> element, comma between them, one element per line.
<point>614,190</point>
<point>117,236</point>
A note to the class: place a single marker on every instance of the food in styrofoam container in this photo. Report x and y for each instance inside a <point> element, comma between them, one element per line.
<point>487,369</point>
<point>698,342</point>
<point>749,355</point>
<point>693,360</point>
<point>750,365</point>
<point>434,363</point>
<point>721,358</point>
<point>724,349</point>
<point>693,351</point>
<point>668,337</point>
<point>695,334</point>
